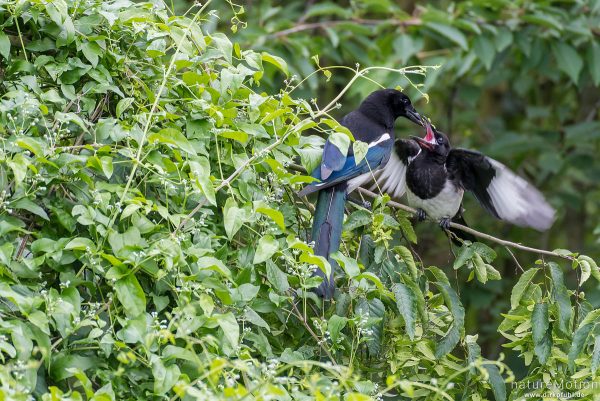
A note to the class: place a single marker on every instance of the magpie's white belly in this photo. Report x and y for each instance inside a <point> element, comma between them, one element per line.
<point>443,205</point>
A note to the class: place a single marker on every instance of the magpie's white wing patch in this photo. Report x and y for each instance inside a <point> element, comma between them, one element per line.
<point>391,179</point>
<point>517,201</point>
<point>500,191</point>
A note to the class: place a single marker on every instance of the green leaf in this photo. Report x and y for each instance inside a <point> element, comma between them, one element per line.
<point>578,344</point>
<point>596,355</point>
<point>212,263</point>
<point>452,336</point>
<point>172,136</point>
<point>276,61</point>
<point>65,365</point>
<point>341,141</point>
<point>256,319</point>
<point>165,377</point>
<point>30,144</point>
<point>107,166</point>
<point>131,295</point>
<point>543,20</point>
<point>406,46</point>
<point>348,264</point>
<point>480,269</point>
<point>586,271</point>
<point>519,288</point>
<point>593,62</point>
<point>360,150</point>
<point>561,295</point>
<point>92,51</point>
<point>123,105</point>
<point>568,60</point>
<point>230,327</point>
<point>357,397</point>
<point>492,273</point>
<point>540,330</point>
<point>496,382</point>
<point>374,310</point>
<point>485,51</point>
<point>594,270</point>
<point>407,258</point>
<point>473,351</point>
<point>30,206</point>
<point>276,277</point>
<point>358,218</point>
<point>503,38</point>
<point>591,317</point>
<point>4,45</point>
<point>465,254</point>
<point>405,301</point>
<point>244,293</point>
<point>487,253</point>
<point>81,244</point>
<point>267,246</point>
<point>275,215</point>
<point>335,325</point>
<point>200,173</point>
<point>449,32</point>
<point>233,217</point>
<point>439,275</point>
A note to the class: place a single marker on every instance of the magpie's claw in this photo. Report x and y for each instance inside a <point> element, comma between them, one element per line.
<point>421,215</point>
<point>445,223</point>
<point>366,205</point>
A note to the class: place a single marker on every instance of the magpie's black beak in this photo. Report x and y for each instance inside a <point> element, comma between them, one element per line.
<point>413,116</point>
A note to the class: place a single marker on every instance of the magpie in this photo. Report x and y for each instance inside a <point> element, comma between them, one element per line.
<point>339,173</point>
<point>435,176</point>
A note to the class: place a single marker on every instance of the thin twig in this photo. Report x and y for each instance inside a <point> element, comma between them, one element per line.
<point>515,259</point>
<point>312,333</point>
<point>476,233</point>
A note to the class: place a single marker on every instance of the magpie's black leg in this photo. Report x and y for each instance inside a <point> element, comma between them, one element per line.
<point>445,223</point>
<point>421,215</point>
<point>361,203</point>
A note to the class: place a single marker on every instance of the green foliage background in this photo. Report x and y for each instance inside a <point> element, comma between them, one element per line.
<point>152,245</point>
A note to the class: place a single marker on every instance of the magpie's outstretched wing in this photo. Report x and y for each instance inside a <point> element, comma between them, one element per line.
<point>372,160</point>
<point>500,191</point>
<point>391,179</point>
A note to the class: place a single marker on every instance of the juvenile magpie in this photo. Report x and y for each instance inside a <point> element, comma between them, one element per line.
<point>339,174</point>
<point>435,176</point>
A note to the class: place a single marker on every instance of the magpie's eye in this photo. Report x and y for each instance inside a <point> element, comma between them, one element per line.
<point>440,140</point>
<point>405,101</point>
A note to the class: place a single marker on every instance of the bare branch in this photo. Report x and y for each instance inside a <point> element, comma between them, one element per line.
<point>328,24</point>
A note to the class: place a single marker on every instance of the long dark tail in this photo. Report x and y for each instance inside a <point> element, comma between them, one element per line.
<point>327,232</point>
<point>458,218</point>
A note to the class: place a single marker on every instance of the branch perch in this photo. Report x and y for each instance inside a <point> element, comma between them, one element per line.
<point>466,229</point>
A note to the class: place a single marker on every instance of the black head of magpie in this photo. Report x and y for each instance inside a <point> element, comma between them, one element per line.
<point>434,176</point>
<point>384,107</point>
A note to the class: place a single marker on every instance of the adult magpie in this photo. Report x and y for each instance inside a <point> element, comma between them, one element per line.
<point>339,174</point>
<point>434,176</point>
